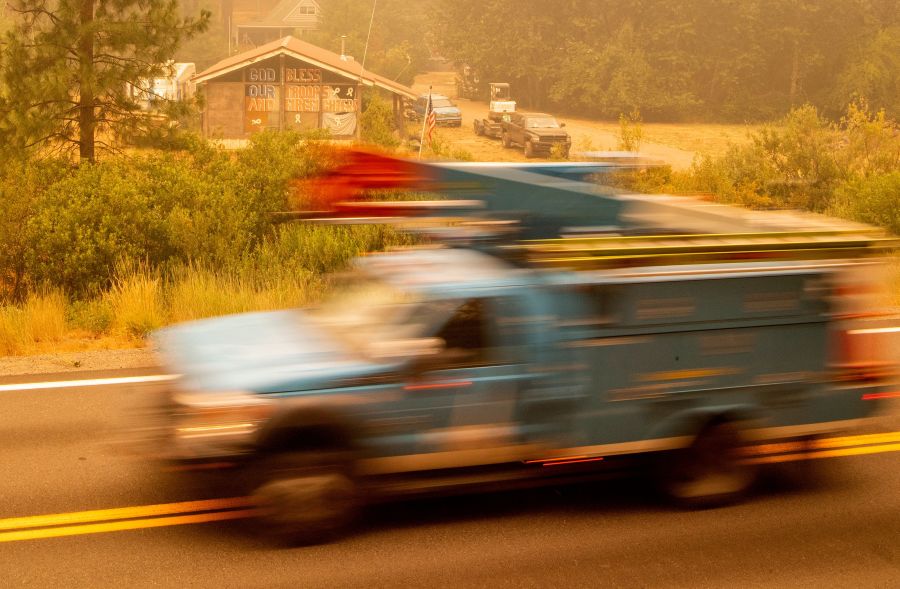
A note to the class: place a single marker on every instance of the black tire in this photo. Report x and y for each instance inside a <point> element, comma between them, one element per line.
<point>711,472</point>
<point>504,137</point>
<point>306,497</point>
<point>479,130</point>
<point>529,149</point>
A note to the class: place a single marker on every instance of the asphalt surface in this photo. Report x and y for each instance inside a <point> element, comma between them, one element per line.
<point>834,525</point>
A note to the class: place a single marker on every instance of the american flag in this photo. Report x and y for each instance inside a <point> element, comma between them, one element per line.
<point>430,120</point>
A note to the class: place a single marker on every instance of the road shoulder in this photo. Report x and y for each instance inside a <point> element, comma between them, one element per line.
<point>79,362</point>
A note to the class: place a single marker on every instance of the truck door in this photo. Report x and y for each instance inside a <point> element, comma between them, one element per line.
<point>517,130</point>
<point>552,399</point>
<point>472,386</point>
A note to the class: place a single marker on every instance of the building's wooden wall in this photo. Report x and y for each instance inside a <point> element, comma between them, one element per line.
<point>278,93</point>
<point>224,115</point>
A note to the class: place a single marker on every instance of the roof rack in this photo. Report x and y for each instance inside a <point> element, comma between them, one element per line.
<point>548,215</point>
<point>627,251</point>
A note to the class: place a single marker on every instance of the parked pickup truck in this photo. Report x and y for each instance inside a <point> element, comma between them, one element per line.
<point>445,112</point>
<point>498,361</point>
<point>537,133</point>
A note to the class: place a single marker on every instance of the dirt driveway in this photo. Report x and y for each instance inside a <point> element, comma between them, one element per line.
<point>587,135</point>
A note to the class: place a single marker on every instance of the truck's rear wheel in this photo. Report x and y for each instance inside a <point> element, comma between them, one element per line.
<point>711,472</point>
<point>305,498</point>
<point>504,137</point>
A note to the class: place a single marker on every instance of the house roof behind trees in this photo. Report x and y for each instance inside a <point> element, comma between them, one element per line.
<point>289,13</point>
<point>328,60</point>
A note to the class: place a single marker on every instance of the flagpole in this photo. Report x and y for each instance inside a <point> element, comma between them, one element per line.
<point>428,107</point>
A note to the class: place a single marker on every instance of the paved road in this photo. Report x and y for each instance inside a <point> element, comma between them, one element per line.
<point>61,454</point>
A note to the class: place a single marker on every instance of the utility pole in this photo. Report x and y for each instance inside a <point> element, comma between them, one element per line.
<point>361,70</point>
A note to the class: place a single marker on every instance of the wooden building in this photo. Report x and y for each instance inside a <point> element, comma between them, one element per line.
<point>288,84</point>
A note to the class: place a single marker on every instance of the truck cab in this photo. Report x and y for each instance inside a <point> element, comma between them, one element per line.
<point>537,133</point>
<point>445,112</point>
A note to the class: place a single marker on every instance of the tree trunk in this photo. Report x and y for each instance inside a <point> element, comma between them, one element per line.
<point>795,74</point>
<point>86,116</point>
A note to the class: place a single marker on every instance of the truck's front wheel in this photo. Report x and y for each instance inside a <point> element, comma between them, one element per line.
<point>305,498</point>
<point>479,130</point>
<point>529,148</point>
<point>711,472</point>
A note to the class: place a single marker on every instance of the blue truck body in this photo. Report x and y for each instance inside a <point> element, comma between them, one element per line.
<point>506,358</point>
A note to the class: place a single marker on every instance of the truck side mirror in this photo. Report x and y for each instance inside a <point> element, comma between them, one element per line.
<point>562,124</point>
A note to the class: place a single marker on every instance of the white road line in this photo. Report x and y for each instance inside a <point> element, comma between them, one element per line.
<point>94,382</point>
<point>874,330</point>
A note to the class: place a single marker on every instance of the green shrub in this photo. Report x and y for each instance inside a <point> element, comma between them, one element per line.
<point>461,155</point>
<point>326,248</point>
<point>89,220</point>
<point>804,161</point>
<point>94,316</point>
<point>871,142</point>
<point>163,208</point>
<point>440,148</point>
<point>631,131</point>
<point>874,200</point>
<point>21,183</point>
<point>377,122</point>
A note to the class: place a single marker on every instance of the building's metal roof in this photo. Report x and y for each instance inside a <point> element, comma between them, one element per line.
<point>309,53</point>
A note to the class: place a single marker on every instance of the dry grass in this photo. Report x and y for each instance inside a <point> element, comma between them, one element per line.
<point>288,272</point>
<point>45,317</point>
<point>141,301</point>
<point>40,322</point>
<point>136,303</point>
<point>199,293</point>
<point>13,334</point>
<point>709,139</point>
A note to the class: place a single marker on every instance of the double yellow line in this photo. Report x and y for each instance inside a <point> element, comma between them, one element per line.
<point>124,518</point>
<point>824,448</point>
<point>212,510</point>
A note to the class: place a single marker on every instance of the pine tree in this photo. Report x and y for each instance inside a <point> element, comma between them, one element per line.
<point>66,67</point>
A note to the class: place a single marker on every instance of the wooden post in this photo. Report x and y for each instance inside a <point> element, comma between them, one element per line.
<point>357,103</point>
<point>244,115</point>
<point>281,112</point>
<point>320,91</point>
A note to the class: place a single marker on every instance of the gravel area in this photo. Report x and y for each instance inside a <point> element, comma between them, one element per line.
<point>587,134</point>
<point>78,361</point>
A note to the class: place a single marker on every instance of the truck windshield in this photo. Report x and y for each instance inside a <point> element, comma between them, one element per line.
<point>440,102</point>
<point>363,310</point>
<point>543,123</point>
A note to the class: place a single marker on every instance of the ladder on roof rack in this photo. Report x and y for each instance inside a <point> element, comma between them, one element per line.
<point>628,251</point>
